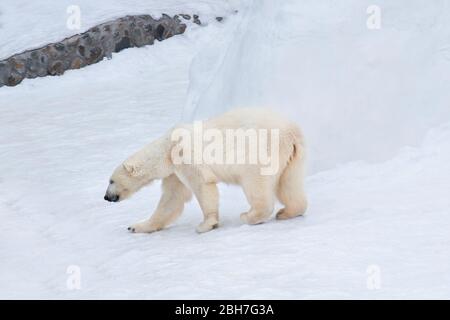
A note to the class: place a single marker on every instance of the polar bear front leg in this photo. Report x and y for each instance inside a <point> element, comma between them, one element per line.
<point>207,195</point>
<point>175,195</point>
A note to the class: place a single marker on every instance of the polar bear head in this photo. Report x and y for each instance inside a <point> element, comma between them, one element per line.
<point>150,163</point>
<point>126,180</point>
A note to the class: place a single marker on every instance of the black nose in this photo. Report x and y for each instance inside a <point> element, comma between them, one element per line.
<point>113,198</point>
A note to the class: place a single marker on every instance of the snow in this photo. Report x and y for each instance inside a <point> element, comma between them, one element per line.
<point>358,93</point>
<point>374,107</point>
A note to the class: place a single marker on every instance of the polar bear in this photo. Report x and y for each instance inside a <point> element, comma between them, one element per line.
<point>234,148</point>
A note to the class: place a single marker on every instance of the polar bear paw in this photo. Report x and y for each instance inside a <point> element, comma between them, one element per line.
<point>284,214</point>
<point>252,218</point>
<point>206,226</point>
<point>143,227</point>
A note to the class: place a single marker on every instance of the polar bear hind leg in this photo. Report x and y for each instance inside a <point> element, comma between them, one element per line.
<point>260,195</point>
<point>290,190</point>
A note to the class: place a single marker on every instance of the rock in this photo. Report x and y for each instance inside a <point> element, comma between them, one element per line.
<point>220,19</point>
<point>90,47</point>
<point>148,28</point>
<point>77,63</point>
<point>197,19</point>
<point>51,52</point>
<point>138,40</point>
<point>17,65</point>
<point>43,58</point>
<point>60,46</point>
<point>14,79</point>
<point>159,33</point>
<point>4,72</point>
<point>32,66</point>
<point>86,38</point>
<point>122,44</point>
<point>41,61</point>
<point>56,68</point>
<point>95,55</point>
<point>81,50</point>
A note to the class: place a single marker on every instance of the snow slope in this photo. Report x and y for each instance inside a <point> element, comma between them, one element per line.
<point>60,138</point>
<point>358,93</point>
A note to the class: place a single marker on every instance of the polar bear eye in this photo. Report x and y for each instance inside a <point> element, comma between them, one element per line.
<point>111,182</point>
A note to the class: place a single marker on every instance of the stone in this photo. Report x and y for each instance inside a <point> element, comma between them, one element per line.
<point>43,58</point>
<point>51,52</point>
<point>77,63</point>
<point>90,47</point>
<point>159,32</point>
<point>60,46</point>
<point>14,79</point>
<point>81,50</point>
<point>3,68</point>
<point>32,66</point>
<point>86,37</point>
<point>4,71</point>
<point>122,44</point>
<point>41,62</point>
<point>95,55</point>
<point>137,37</point>
<point>182,29</point>
<point>148,28</point>
<point>18,66</point>
<point>56,68</point>
<point>197,20</point>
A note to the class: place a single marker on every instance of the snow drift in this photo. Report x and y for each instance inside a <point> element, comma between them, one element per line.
<point>359,94</point>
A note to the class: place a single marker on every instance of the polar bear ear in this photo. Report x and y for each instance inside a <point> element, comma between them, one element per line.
<point>132,168</point>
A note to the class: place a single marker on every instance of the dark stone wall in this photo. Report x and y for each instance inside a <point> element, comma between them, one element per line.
<point>89,47</point>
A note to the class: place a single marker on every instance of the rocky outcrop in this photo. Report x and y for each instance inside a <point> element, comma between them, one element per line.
<point>89,47</point>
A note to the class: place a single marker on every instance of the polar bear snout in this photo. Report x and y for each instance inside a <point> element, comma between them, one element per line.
<point>112,194</point>
<point>111,198</point>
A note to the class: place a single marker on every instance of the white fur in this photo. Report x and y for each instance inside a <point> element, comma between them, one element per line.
<point>180,181</point>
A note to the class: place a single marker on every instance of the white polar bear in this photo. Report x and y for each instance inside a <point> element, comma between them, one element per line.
<point>194,158</point>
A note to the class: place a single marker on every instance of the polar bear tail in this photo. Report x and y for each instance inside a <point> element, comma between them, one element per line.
<point>290,189</point>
